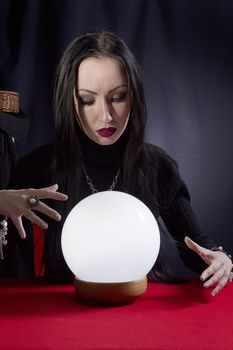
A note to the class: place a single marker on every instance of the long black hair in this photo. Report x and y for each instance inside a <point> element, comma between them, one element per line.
<point>68,157</point>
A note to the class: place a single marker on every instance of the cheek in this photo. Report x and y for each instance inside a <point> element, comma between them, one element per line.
<point>87,116</point>
<point>122,111</point>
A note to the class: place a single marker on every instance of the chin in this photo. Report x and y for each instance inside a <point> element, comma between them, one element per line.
<point>106,141</point>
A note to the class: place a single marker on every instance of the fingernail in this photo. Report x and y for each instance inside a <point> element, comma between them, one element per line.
<point>44,226</point>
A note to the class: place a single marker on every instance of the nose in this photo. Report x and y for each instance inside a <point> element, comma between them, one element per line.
<point>105,113</point>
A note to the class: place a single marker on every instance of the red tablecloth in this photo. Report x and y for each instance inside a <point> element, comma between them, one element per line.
<point>35,315</point>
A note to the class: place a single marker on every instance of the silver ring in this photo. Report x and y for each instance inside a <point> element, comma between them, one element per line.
<point>32,201</point>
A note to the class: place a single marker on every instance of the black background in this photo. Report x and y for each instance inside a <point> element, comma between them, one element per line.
<point>185,49</point>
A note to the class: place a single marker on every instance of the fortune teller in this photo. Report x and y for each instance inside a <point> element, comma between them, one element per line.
<point>99,145</point>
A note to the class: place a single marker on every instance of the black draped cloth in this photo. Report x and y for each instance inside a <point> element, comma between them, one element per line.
<point>13,127</point>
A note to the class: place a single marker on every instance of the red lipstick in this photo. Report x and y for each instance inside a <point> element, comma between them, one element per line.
<point>106,132</point>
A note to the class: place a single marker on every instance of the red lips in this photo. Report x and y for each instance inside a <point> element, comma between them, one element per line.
<point>106,132</point>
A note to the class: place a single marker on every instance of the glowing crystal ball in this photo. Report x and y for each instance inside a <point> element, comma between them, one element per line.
<point>110,236</point>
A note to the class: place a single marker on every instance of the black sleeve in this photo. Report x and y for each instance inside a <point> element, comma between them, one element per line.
<point>32,171</point>
<point>181,221</point>
<point>177,214</point>
<point>12,125</point>
<point>7,159</point>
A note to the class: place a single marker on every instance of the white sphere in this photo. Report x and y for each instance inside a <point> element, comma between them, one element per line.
<point>110,236</point>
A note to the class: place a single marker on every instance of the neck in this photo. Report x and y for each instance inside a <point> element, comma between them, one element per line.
<point>102,163</point>
<point>101,155</point>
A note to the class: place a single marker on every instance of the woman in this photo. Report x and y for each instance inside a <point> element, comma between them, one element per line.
<point>100,118</point>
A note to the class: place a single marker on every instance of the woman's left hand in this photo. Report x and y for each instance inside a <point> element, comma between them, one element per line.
<point>218,273</point>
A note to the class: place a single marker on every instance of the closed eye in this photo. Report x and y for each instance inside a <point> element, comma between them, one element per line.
<point>86,102</point>
<point>119,97</point>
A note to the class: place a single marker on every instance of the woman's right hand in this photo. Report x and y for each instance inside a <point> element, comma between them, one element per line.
<point>17,203</point>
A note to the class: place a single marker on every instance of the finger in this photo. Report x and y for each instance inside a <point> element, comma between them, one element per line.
<point>211,270</point>
<point>204,253</point>
<point>45,209</point>
<point>53,187</point>
<point>215,278</point>
<point>18,224</point>
<point>44,193</point>
<point>30,215</point>
<point>193,245</point>
<point>221,284</point>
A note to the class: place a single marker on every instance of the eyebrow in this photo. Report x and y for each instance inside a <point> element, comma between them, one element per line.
<point>95,93</point>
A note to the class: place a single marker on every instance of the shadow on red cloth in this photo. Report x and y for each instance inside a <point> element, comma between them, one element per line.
<point>38,298</point>
<point>182,295</point>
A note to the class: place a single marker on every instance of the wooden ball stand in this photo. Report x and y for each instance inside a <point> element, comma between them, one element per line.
<point>116,293</point>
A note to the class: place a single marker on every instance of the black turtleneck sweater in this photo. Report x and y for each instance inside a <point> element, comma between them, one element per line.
<point>170,204</point>
<point>102,164</point>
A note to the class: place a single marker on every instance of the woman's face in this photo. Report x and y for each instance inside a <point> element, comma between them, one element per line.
<point>102,99</point>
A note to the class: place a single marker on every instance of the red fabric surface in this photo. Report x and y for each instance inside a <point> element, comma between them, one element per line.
<point>39,316</point>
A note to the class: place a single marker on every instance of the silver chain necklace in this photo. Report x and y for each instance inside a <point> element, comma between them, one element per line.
<point>92,187</point>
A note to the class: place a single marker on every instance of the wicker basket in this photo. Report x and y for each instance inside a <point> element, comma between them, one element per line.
<point>9,101</point>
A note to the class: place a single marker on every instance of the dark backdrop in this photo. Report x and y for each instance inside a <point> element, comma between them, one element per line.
<point>185,49</point>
